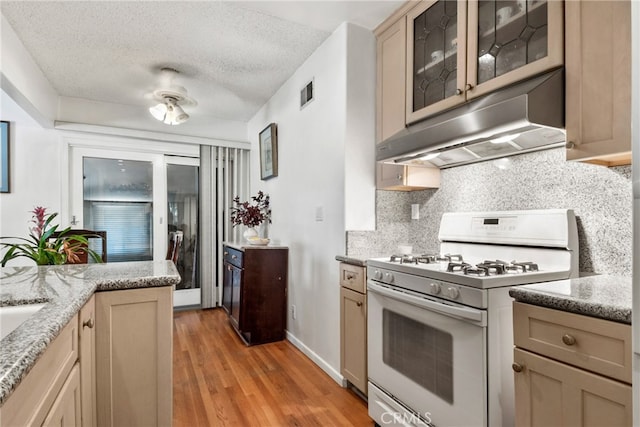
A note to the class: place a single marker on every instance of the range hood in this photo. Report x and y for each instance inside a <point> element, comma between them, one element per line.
<point>524,117</point>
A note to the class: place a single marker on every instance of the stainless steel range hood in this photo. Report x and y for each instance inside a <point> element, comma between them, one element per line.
<point>525,117</point>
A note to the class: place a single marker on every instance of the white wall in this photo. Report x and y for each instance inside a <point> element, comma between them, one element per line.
<point>35,173</point>
<point>316,146</point>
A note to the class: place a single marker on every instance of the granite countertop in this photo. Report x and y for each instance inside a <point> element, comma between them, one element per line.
<point>362,262</point>
<point>64,289</point>
<point>607,297</point>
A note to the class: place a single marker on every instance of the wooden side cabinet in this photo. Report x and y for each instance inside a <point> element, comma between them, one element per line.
<point>353,326</point>
<point>254,291</point>
<point>134,339</point>
<point>570,369</point>
<point>598,81</point>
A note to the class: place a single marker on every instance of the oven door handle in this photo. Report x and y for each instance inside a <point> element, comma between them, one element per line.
<point>461,312</point>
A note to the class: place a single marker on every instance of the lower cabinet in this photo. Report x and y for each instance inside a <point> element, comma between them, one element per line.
<point>552,393</point>
<point>66,409</point>
<point>50,391</point>
<point>87,356</point>
<point>134,357</point>
<point>109,366</point>
<point>353,326</point>
<point>570,369</point>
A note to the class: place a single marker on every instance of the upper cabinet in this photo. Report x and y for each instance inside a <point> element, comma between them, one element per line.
<point>391,59</point>
<point>436,46</point>
<point>598,81</point>
<point>444,53</point>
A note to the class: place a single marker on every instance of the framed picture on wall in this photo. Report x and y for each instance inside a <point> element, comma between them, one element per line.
<point>4,157</point>
<point>269,152</point>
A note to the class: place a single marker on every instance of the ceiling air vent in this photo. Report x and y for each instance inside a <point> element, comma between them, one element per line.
<point>306,94</point>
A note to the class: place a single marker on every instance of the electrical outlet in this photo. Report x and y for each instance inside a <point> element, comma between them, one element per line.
<point>293,312</point>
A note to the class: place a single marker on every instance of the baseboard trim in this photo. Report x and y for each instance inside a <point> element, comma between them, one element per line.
<point>327,368</point>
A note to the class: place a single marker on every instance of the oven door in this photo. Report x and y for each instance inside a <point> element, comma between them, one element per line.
<point>428,354</point>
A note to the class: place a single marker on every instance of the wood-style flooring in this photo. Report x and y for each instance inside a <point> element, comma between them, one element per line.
<point>218,381</point>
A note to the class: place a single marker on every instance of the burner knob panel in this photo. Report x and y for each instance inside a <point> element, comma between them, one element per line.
<point>435,288</point>
<point>377,275</point>
<point>388,277</point>
<point>453,293</point>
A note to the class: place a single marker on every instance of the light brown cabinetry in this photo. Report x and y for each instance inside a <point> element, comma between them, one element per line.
<point>598,81</point>
<point>460,50</point>
<point>570,369</point>
<point>66,409</point>
<point>406,178</point>
<point>353,325</point>
<point>456,51</point>
<point>134,356</point>
<point>391,77</point>
<point>87,356</point>
<point>48,392</point>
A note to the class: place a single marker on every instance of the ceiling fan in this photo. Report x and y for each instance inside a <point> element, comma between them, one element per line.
<point>171,100</point>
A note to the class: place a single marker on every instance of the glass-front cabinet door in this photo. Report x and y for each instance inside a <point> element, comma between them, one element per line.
<point>436,46</point>
<point>511,40</point>
<point>458,50</point>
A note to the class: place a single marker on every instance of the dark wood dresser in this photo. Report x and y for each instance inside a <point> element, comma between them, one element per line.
<point>254,291</point>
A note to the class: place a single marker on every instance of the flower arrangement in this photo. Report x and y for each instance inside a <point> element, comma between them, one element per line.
<point>45,249</point>
<point>253,213</point>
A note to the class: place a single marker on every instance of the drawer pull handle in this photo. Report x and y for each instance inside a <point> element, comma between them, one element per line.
<point>88,323</point>
<point>234,257</point>
<point>350,276</point>
<point>517,367</point>
<point>359,303</point>
<point>568,339</point>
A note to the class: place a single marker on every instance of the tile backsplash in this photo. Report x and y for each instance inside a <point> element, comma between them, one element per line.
<point>601,198</point>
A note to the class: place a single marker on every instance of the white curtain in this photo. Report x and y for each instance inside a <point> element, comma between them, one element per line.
<point>224,174</point>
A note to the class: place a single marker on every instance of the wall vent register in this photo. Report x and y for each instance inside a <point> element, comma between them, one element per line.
<point>306,94</point>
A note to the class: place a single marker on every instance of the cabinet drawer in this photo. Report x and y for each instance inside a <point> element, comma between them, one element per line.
<point>353,277</point>
<point>233,256</point>
<point>598,345</point>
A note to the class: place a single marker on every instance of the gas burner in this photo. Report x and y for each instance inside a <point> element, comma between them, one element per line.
<point>450,257</point>
<point>404,259</point>
<point>525,266</point>
<point>458,266</point>
<point>493,267</point>
<point>427,259</point>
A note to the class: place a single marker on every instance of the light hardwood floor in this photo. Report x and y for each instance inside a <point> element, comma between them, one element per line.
<point>218,381</point>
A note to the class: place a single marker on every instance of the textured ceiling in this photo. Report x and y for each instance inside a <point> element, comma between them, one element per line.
<point>232,55</point>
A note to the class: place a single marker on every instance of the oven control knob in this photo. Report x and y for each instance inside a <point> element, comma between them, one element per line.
<point>453,292</point>
<point>388,277</point>
<point>377,275</point>
<point>435,288</point>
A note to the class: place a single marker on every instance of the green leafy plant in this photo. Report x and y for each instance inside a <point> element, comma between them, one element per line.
<point>46,245</point>
<point>251,213</point>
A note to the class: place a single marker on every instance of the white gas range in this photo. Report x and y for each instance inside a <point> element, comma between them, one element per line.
<point>440,338</point>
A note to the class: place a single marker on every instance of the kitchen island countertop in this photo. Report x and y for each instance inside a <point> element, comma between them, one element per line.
<point>64,289</point>
<point>607,297</point>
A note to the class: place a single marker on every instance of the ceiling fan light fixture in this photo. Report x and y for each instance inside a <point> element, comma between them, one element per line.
<point>169,111</point>
<point>159,111</point>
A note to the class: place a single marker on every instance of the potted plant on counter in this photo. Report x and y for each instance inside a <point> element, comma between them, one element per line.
<point>252,214</point>
<point>46,245</point>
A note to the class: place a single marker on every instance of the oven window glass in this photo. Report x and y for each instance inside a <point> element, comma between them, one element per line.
<point>419,352</point>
